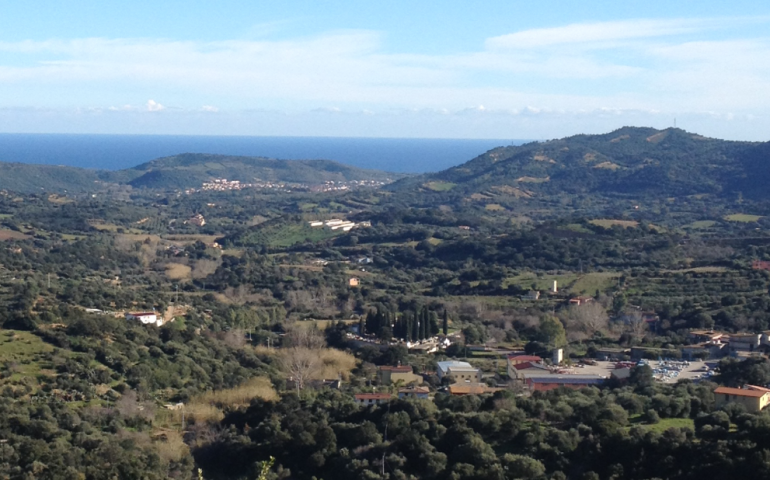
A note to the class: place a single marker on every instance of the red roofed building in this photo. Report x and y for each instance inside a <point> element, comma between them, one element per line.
<point>753,398</point>
<point>520,363</point>
<point>372,398</point>
<point>760,265</point>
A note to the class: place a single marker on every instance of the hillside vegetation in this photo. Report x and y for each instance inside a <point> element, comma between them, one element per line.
<point>629,161</point>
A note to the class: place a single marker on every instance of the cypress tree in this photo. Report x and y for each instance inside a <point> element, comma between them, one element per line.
<point>416,328</point>
<point>433,324</point>
<point>445,323</point>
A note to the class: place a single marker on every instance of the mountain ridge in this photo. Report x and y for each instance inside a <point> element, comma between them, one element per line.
<point>625,161</point>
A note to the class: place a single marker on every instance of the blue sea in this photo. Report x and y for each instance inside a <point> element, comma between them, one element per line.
<point>116,152</point>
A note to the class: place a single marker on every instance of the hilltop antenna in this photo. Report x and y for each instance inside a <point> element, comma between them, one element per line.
<point>674,122</point>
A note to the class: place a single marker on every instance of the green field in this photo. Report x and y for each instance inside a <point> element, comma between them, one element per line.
<point>440,186</point>
<point>5,216</point>
<point>742,217</point>
<point>20,352</point>
<point>664,423</point>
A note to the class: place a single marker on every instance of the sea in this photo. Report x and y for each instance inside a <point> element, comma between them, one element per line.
<point>117,152</point>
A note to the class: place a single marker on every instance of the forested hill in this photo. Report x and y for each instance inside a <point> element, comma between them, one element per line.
<point>187,170</point>
<point>192,169</point>
<point>630,160</point>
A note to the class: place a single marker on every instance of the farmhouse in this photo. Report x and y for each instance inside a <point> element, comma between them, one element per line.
<point>147,318</point>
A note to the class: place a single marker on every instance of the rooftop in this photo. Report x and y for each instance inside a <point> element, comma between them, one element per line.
<point>400,368</point>
<point>453,364</point>
<point>740,392</point>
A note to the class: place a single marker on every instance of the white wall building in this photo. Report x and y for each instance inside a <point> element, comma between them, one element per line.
<point>147,318</point>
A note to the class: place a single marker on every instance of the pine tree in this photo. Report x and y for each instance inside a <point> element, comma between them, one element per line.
<point>361,327</point>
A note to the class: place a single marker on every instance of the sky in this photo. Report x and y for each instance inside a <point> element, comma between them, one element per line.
<point>428,69</point>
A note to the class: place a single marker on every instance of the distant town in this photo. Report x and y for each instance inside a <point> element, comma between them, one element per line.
<point>224,185</point>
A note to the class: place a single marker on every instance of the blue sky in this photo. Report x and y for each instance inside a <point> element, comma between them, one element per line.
<point>498,69</point>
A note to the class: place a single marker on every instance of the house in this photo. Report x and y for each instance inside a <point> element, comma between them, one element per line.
<point>580,300</point>
<point>544,383</point>
<point>354,282</point>
<point>414,392</point>
<point>372,398</point>
<point>316,223</point>
<point>364,261</point>
<point>760,265</point>
<point>744,342</point>
<point>753,398</point>
<point>698,336</point>
<point>464,227</point>
<point>402,373</point>
<point>197,220</point>
<point>147,318</point>
<point>532,295</point>
<point>459,389</point>
<point>704,350</point>
<point>460,371</point>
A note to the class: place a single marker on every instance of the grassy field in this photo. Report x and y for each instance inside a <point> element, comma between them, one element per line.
<point>440,186</point>
<point>21,350</point>
<point>742,217</point>
<point>590,282</point>
<point>5,216</point>
<point>664,423</point>
<point>178,271</point>
<point>608,223</point>
<point>544,282</point>
<point>12,235</point>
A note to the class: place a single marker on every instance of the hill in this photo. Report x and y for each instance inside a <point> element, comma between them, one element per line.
<point>635,161</point>
<point>187,170</point>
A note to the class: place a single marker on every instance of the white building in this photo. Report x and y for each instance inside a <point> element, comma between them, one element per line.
<point>147,318</point>
<point>461,371</point>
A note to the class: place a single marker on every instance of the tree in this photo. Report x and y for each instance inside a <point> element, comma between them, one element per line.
<point>299,363</point>
<point>552,331</point>
<point>445,323</point>
<point>585,321</point>
<point>635,325</point>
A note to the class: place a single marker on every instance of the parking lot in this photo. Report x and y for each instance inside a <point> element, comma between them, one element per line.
<point>667,372</point>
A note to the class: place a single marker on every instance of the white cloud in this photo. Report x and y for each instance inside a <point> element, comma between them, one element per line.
<point>153,106</point>
<point>601,68</point>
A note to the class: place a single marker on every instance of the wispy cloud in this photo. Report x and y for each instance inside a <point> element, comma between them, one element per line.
<point>644,65</point>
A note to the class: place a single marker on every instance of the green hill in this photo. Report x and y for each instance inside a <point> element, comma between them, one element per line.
<point>630,160</point>
<point>187,170</point>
